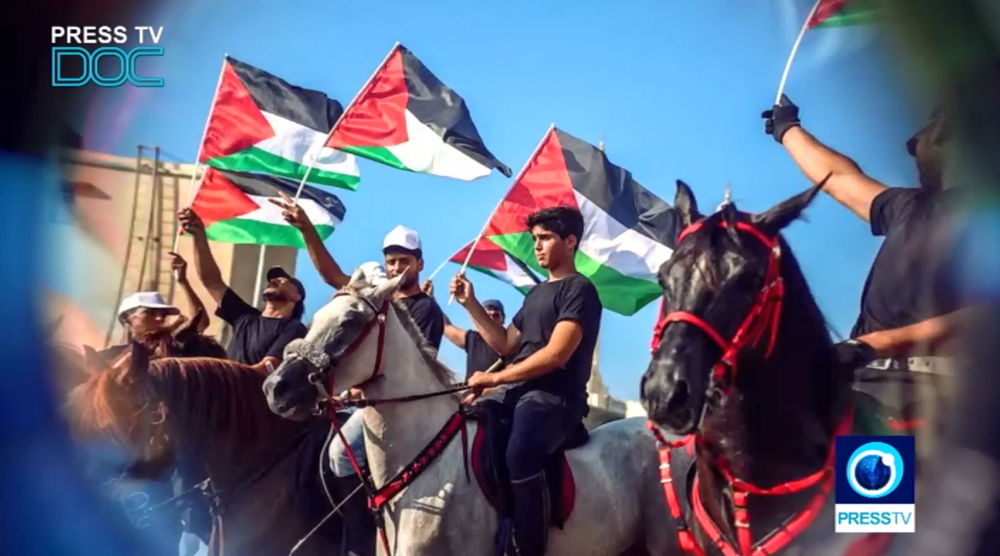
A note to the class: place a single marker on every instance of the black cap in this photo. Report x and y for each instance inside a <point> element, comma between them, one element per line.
<point>494,304</point>
<point>278,272</point>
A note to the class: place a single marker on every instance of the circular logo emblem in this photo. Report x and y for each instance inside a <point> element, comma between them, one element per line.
<point>875,470</point>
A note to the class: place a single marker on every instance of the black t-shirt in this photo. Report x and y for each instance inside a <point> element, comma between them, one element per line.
<point>479,356</point>
<point>573,298</point>
<point>254,335</point>
<point>428,316</point>
<point>909,281</point>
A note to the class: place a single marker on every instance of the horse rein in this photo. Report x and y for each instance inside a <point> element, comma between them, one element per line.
<point>323,380</point>
<point>765,314</point>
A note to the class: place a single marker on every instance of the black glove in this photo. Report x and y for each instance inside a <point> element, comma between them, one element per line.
<point>779,119</point>
<point>853,354</point>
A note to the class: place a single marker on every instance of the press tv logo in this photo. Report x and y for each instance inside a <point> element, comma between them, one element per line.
<point>83,55</point>
<point>875,486</point>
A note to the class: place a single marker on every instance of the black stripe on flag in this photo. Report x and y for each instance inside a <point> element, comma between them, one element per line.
<point>264,185</point>
<point>444,111</point>
<point>312,109</point>
<point>612,189</point>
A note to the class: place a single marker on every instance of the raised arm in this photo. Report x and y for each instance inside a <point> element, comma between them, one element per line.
<point>454,334</point>
<point>503,340</point>
<point>327,267</point>
<point>848,184</point>
<point>198,311</point>
<point>204,262</point>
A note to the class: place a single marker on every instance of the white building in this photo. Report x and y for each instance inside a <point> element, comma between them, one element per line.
<point>603,406</point>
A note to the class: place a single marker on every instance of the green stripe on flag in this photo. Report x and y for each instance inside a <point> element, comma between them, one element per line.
<point>619,293</point>
<point>378,154</point>
<point>246,231</point>
<point>858,12</point>
<point>258,160</point>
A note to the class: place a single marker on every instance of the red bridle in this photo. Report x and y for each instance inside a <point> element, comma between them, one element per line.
<point>765,313</point>
<point>317,378</point>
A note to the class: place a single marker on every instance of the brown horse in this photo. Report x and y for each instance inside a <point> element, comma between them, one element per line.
<point>208,418</point>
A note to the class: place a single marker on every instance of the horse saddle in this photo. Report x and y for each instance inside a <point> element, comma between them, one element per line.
<point>489,464</point>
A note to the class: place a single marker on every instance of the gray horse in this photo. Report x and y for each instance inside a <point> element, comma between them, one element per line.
<point>366,340</point>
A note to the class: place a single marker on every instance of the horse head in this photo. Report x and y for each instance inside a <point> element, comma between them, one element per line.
<point>342,349</point>
<point>723,289</point>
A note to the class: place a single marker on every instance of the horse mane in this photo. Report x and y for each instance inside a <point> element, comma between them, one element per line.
<point>201,396</point>
<point>441,372</point>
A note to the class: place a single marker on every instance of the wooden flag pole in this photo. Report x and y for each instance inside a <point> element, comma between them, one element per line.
<point>516,179</point>
<point>795,50</point>
<point>201,146</point>
<point>336,124</point>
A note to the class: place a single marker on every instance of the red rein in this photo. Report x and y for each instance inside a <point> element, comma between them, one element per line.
<point>763,316</point>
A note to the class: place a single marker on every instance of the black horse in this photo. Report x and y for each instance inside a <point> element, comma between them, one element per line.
<point>743,368</point>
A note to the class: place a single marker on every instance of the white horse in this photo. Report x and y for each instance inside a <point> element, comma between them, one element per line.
<point>364,339</point>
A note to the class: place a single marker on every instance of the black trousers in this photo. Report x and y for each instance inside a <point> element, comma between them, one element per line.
<point>540,425</point>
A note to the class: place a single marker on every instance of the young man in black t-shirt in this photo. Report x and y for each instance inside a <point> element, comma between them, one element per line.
<point>259,337</point>
<point>550,344</point>
<point>479,356</point>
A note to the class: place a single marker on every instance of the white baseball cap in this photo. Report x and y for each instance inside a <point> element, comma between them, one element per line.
<point>149,300</point>
<point>373,272</point>
<point>401,236</point>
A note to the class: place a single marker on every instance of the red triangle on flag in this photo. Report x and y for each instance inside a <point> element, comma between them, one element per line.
<point>377,117</point>
<point>545,182</point>
<point>235,122</point>
<point>219,199</point>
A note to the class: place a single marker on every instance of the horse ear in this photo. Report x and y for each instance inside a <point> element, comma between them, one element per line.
<point>357,279</point>
<point>385,289</point>
<point>686,204</point>
<point>92,361</point>
<point>784,213</point>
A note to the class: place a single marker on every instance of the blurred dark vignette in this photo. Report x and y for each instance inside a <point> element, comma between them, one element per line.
<point>954,45</point>
<point>47,508</point>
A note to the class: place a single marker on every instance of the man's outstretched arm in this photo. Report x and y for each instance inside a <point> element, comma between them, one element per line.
<point>324,262</point>
<point>204,262</point>
<point>848,184</point>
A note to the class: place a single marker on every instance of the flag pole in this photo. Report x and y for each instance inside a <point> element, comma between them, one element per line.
<point>336,124</point>
<point>201,146</point>
<point>259,283</point>
<point>441,266</point>
<point>520,174</point>
<point>795,50</point>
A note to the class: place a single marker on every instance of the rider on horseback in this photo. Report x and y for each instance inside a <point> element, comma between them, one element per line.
<point>144,314</point>
<point>550,343</point>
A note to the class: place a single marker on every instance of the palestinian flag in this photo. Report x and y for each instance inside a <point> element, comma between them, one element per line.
<point>408,119</point>
<point>842,13</point>
<point>235,209</point>
<point>628,231</point>
<point>491,260</point>
<point>261,123</point>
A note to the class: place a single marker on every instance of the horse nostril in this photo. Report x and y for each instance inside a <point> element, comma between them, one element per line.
<point>679,398</point>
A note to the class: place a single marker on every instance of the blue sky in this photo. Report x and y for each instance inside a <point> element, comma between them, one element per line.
<point>676,87</point>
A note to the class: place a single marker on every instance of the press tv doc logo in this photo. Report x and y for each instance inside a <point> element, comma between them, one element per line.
<point>98,63</point>
<point>875,484</point>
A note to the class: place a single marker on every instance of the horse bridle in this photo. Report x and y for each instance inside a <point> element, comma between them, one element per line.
<point>763,315</point>
<point>324,368</point>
